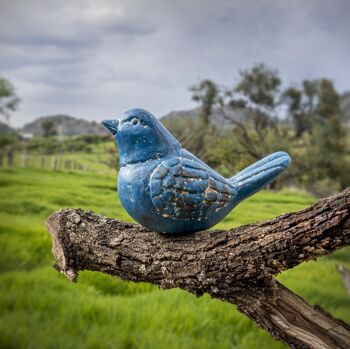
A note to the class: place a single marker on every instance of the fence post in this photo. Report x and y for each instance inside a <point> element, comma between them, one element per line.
<point>24,159</point>
<point>54,163</point>
<point>10,157</point>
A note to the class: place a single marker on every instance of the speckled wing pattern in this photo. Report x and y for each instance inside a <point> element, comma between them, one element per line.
<point>184,189</point>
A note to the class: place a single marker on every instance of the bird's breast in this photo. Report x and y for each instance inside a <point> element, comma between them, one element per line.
<point>134,188</point>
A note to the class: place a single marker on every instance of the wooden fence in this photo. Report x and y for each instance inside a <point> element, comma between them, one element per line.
<point>44,162</point>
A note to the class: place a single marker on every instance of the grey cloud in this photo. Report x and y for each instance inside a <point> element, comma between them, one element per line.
<point>97,58</point>
<point>43,39</point>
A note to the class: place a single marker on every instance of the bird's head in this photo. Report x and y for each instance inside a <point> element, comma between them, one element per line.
<point>140,136</point>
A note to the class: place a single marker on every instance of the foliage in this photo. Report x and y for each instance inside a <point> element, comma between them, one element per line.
<point>7,139</point>
<point>8,98</point>
<point>110,157</point>
<point>303,120</point>
<point>193,134</point>
<point>207,94</point>
<point>53,145</point>
<point>41,309</point>
<point>49,128</point>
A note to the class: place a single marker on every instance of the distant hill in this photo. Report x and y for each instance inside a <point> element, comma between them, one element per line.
<point>70,126</point>
<point>65,125</point>
<point>6,129</point>
<point>216,117</point>
<point>239,115</point>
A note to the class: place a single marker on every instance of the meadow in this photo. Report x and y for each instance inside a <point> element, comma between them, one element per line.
<point>42,309</point>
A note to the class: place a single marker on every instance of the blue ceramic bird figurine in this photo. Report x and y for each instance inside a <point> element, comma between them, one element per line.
<point>167,189</point>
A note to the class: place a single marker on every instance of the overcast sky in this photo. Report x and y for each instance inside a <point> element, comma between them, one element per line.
<point>96,59</point>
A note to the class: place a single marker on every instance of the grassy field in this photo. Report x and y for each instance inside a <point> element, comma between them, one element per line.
<point>94,161</point>
<point>41,309</point>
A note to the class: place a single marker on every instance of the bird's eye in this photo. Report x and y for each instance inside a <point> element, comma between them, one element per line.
<point>135,121</point>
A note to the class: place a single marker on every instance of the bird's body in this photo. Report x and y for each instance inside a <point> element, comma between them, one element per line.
<point>177,194</point>
<point>167,189</point>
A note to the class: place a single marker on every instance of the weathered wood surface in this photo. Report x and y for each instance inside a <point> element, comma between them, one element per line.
<point>234,265</point>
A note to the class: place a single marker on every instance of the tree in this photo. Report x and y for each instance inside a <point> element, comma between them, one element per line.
<point>301,106</point>
<point>315,112</point>
<point>206,93</point>
<point>327,149</point>
<point>49,128</point>
<point>257,92</point>
<point>237,265</point>
<point>256,96</point>
<point>8,99</point>
<point>259,86</point>
<point>303,120</point>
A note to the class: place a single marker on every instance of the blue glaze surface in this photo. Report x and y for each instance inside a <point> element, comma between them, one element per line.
<point>167,189</point>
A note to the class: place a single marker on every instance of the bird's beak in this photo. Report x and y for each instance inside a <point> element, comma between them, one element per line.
<point>111,125</point>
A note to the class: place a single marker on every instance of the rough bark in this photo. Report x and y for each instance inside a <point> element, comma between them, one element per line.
<point>234,265</point>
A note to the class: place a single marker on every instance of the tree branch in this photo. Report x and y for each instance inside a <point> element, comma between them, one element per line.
<point>236,265</point>
<point>246,141</point>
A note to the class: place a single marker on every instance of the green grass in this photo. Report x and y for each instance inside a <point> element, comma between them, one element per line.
<point>92,162</point>
<point>41,309</point>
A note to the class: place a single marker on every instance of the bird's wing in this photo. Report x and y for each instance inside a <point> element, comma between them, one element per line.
<point>184,189</point>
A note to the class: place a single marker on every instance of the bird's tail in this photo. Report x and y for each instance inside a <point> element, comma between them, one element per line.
<point>259,174</point>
